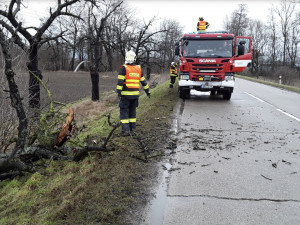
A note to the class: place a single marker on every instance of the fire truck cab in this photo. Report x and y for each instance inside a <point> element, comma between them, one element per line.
<point>208,61</point>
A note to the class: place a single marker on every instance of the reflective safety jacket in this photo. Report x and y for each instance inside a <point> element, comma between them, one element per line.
<point>173,71</point>
<point>202,25</point>
<point>129,78</point>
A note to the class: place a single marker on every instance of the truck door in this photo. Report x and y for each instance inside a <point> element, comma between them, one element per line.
<point>242,61</point>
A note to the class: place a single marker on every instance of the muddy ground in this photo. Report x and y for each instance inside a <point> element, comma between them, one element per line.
<point>68,87</point>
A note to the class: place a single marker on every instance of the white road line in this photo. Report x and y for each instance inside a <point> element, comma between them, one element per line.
<point>254,97</point>
<point>280,110</point>
<point>293,117</point>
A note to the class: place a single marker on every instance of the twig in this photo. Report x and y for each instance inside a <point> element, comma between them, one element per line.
<point>139,158</point>
<point>266,177</point>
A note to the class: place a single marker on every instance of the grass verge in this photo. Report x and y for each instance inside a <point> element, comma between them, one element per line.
<point>102,188</point>
<point>286,87</point>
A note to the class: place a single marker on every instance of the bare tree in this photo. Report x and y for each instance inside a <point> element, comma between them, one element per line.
<point>285,14</point>
<point>257,31</point>
<point>273,37</point>
<point>167,40</point>
<point>122,25</point>
<point>11,22</point>
<point>238,21</point>
<point>294,39</point>
<point>8,161</point>
<point>95,37</point>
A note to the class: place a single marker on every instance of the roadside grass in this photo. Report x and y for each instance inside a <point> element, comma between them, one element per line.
<point>105,186</point>
<point>286,87</point>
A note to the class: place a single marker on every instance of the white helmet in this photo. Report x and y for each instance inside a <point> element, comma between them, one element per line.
<point>130,57</point>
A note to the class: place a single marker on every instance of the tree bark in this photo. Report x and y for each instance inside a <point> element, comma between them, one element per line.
<point>15,98</point>
<point>34,85</point>
<point>95,84</point>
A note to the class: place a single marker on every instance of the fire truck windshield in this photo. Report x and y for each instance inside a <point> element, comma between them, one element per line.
<point>207,49</point>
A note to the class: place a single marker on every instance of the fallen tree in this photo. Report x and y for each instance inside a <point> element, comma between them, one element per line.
<point>21,158</point>
<point>10,161</point>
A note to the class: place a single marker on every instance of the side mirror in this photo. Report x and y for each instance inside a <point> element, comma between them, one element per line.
<point>241,50</point>
<point>177,50</point>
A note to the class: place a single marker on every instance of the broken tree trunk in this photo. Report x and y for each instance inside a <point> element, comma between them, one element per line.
<point>16,102</point>
<point>66,129</point>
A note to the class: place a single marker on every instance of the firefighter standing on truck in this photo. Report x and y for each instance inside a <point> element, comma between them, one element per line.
<point>129,78</point>
<point>202,25</point>
<point>173,73</point>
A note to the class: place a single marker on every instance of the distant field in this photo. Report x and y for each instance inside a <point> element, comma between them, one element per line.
<point>67,86</point>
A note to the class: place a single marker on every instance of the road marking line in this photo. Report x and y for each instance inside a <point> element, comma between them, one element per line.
<point>293,117</point>
<point>254,97</point>
<point>280,110</point>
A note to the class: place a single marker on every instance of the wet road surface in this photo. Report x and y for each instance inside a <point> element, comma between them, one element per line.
<point>237,161</point>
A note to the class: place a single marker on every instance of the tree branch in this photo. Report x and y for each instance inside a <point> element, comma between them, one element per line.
<point>53,16</point>
<point>15,36</point>
<point>45,40</point>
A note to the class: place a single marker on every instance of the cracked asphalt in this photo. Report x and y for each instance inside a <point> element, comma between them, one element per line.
<point>237,161</point>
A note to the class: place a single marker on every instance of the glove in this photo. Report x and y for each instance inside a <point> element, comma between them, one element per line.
<point>119,95</point>
<point>148,94</point>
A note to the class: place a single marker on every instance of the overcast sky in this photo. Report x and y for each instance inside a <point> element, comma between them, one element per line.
<point>186,12</point>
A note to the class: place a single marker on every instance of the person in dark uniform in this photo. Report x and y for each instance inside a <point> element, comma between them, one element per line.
<point>129,79</point>
<point>173,73</point>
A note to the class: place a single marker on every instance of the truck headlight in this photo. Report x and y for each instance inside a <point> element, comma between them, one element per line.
<point>184,76</point>
<point>229,76</point>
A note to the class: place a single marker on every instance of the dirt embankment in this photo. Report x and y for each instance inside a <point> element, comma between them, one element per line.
<point>107,187</point>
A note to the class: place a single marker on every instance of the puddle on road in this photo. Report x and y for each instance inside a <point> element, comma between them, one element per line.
<point>158,204</point>
<point>176,121</point>
<point>157,208</point>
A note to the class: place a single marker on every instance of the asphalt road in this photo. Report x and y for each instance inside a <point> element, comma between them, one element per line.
<point>237,161</point>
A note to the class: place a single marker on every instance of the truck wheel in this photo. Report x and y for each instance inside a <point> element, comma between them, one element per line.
<point>184,93</point>
<point>213,93</point>
<point>227,95</point>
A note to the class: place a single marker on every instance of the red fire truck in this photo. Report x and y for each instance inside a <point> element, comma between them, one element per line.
<point>209,61</point>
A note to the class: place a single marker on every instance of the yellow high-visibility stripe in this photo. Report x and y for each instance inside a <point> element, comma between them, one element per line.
<point>132,120</point>
<point>122,77</point>
<point>130,93</point>
<point>146,87</point>
<point>133,85</point>
<point>125,121</point>
<point>135,81</point>
<point>143,78</point>
<point>119,87</point>
<point>134,74</point>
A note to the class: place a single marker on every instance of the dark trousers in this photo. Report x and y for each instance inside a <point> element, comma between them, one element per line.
<point>173,79</point>
<point>128,113</point>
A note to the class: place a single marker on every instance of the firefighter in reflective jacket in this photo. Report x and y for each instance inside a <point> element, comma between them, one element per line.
<point>129,78</point>
<point>173,73</point>
<point>202,25</point>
